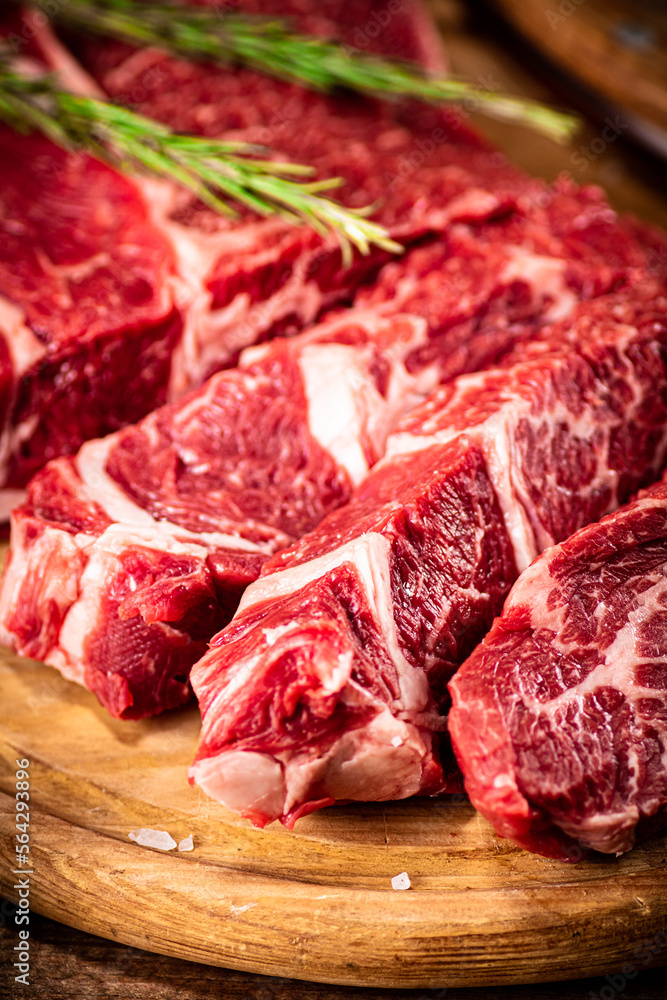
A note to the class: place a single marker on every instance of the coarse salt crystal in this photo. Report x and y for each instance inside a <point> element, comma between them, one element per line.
<point>153,838</point>
<point>401,881</point>
<point>186,844</point>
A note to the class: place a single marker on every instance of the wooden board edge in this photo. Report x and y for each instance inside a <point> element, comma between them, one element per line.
<point>204,913</point>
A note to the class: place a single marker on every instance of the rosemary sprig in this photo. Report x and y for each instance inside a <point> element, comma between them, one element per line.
<point>271,46</point>
<point>214,171</point>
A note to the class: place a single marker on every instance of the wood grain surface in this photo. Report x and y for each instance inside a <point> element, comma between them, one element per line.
<point>615,47</point>
<point>73,965</point>
<point>314,904</point>
<point>482,48</point>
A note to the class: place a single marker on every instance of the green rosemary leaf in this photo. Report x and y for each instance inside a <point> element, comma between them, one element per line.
<point>269,45</point>
<point>219,173</point>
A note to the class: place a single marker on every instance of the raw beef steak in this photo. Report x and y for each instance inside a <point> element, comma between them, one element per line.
<point>559,718</point>
<point>327,684</point>
<point>524,256</point>
<point>260,455</point>
<point>485,287</point>
<point>244,279</point>
<point>90,337</point>
<point>90,285</point>
<point>126,558</point>
<point>87,319</point>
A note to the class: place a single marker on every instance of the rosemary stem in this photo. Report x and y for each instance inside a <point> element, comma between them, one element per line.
<point>269,45</point>
<point>217,172</point>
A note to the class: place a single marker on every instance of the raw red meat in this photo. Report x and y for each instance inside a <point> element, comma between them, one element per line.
<point>72,336</point>
<point>126,558</point>
<point>91,337</point>
<point>327,684</point>
<point>559,718</point>
<point>87,319</point>
<point>261,454</point>
<point>246,279</point>
<point>486,287</point>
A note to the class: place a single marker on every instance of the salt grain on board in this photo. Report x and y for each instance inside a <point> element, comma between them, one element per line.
<point>401,881</point>
<point>186,844</point>
<point>153,838</point>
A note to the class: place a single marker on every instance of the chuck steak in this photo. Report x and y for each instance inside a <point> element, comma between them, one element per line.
<point>559,718</point>
<point>329,682</point>
<point>246,279</point>
<point>88,323</point>
<point>94,284</point>
<point>106,312</point>
<point>151,534</point>
<point>261,454</point>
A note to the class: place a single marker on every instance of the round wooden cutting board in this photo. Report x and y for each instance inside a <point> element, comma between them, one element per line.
<point>617,48</point>
<point>313,904</point>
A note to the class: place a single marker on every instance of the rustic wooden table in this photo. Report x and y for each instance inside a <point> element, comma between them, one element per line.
<point>483,48</point>
<point>76,965</point>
